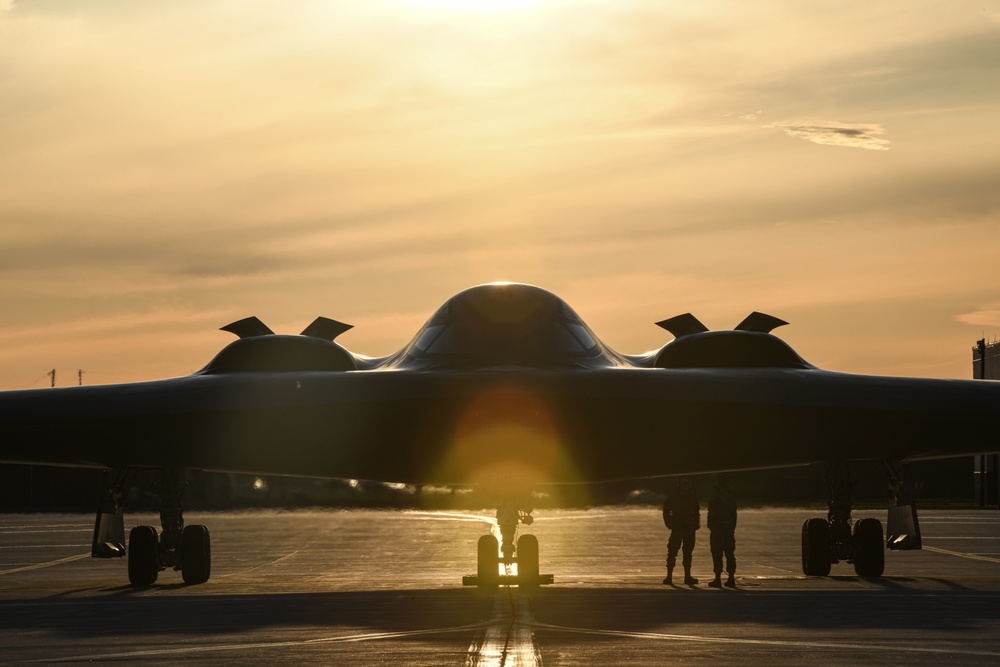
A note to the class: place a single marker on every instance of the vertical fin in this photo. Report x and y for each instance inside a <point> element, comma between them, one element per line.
<point>248,327</point>
<point>759,323</point>
<point>683,325</point>
<point>325,328</point>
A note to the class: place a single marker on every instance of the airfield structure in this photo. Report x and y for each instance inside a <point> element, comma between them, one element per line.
<point>986,366</point>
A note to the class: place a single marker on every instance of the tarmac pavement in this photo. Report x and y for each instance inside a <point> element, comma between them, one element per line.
<point>362,587</point>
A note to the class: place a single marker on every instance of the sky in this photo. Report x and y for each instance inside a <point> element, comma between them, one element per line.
<point>168,168</point>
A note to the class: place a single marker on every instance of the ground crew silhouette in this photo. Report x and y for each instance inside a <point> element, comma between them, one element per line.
<point>722,524</point>
<point>682,516</point>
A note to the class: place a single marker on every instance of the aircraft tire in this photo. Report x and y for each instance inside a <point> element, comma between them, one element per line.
<point>196,555</point>
<point>487,561</point>
<point>527,559</point>
<point>869,548</point>
<point>143,556</point>
<point>816,547</point>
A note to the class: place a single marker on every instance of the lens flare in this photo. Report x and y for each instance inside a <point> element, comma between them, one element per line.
<point>506,442</point>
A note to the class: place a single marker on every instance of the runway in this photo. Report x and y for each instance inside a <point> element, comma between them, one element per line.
<point>363,587</point>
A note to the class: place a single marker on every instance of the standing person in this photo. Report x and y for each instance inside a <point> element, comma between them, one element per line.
<point>682,516</point>
<point>722,524</point>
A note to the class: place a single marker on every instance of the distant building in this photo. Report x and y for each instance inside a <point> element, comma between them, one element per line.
<point>986,366</point>
<point>986,360</point>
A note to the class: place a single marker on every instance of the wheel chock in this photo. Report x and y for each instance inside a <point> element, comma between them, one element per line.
<point>510,580</point>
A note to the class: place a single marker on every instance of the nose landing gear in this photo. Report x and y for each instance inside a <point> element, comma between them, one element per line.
<point>493,554</point>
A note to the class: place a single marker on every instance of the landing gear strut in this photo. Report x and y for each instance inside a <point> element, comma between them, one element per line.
<point>903,532</point>
<point>184,548</point>
<point>109,526</point>
<point>831,540</point>
<point>491,553</point>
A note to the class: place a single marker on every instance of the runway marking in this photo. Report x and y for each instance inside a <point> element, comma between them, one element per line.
<point>17,528</point>
<point>962,537</point>
<point>257,567</point>
<point>452,516</point>
<point>46,531</point>
<point>508,640</point>
<point>271,562</point>
<point>572,518</point>
<point>768,642</point>
<point>962,555</point>
<point>372,636</point>
<point>952,520</point>
<point>39,566</point>
<point>39,546</point>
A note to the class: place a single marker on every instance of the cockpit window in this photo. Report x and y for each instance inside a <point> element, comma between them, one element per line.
<point>505,324</point>
<point>582,335</point>
<point>427,337</point>
<point>536,337</point>
<point>523,340</point>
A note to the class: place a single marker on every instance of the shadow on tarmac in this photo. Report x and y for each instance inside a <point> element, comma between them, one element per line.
<point>124,611</point>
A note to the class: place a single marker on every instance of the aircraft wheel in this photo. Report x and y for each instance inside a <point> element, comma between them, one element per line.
<point>869,548</point>
<point>527,559</point>
<point>816,547</point>
<point>143,556</point>
<point>196,555</point>
<point>487,562</point>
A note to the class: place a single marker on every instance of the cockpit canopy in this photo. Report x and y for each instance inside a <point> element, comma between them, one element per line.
<point>504,324</point>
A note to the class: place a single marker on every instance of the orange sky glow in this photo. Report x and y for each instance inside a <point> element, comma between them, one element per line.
<point>168,168</point>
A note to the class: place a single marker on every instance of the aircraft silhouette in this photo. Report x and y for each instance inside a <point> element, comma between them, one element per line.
<point>504,387</point>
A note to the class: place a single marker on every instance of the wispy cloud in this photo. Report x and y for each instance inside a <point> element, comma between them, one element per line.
<point>236,159</point>
<point>832,133</point>
<point>987,316</point>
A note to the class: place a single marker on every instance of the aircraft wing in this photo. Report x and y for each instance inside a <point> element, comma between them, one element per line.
<point>488,392</point>
<point>504,387</point>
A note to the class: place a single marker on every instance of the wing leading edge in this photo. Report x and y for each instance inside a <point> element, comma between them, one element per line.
<point>528,366</point>
<point>504,387</point>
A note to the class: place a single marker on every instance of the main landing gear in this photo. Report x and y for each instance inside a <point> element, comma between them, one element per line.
<point>491,554</point>
<point>833,539</point>
<point>184,548</point>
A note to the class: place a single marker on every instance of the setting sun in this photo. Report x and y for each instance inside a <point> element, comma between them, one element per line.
<point>178,166</point>
<point>477,5</point>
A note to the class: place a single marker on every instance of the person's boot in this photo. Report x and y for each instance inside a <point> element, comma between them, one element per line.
<point>688,579</point>
<point>731,581</point>
<point>717,582</point>
<point>669,579</point>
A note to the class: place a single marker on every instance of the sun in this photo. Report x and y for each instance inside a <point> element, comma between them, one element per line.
<point>475,5</point>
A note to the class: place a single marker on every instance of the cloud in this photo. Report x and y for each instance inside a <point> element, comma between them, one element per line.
<point>6,6</point>
<point>832,133</point>
<point>988,316</point>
